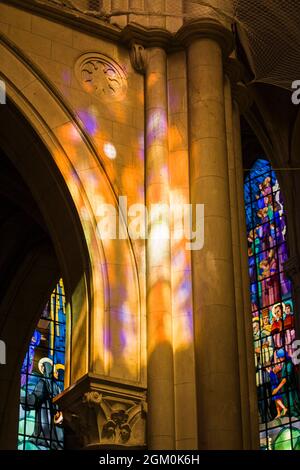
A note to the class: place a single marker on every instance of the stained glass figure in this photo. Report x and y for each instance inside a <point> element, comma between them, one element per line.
<point>42,378</point>
<point>272,308</point>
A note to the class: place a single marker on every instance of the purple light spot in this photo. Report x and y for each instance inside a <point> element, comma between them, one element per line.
<point>89,121</point>
<point>66,76</point>
<point>157,126</point>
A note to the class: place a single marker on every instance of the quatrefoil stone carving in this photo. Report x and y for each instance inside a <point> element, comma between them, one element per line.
<point>102,76</point>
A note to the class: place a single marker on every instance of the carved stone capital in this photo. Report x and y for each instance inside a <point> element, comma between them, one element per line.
<point>100,414</point>
<point>138,57</point>
<point>206,28</point>
<point>292,270</point>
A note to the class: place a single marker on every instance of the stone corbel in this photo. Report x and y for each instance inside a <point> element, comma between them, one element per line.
<point>138,57</point>
<point>103,414</point>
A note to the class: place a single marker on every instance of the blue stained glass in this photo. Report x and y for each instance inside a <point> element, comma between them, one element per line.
<point>273,315</point>
<point>42,378</point>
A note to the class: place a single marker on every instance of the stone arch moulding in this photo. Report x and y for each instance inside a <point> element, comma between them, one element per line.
<point>97,305</point>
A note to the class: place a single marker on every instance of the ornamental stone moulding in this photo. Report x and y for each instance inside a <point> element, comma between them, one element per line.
<point>101,76</point>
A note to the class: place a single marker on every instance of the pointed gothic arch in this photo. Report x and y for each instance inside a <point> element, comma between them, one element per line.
<point>56,159</point>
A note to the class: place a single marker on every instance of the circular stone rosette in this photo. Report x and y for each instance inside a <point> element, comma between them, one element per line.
<point>101,76</point>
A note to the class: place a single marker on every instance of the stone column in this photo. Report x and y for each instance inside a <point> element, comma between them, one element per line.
<point>182,304</point>
<point>217,371</point>
<point>238,284</point>
<point>249,365</point>
<point>292,270</point>
<point>159,310</point>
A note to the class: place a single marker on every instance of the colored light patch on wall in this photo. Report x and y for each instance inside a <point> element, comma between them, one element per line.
<point>89,120</point>
<point>110,150</point>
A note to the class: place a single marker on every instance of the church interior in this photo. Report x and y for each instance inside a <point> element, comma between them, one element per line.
<point>150,235</point>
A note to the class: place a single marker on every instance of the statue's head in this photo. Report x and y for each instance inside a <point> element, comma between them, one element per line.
<point>125,432</point>
<point>46,367</point>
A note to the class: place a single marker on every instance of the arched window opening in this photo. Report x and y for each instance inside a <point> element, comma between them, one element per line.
<point>42,378</point>
<point>272,311</point>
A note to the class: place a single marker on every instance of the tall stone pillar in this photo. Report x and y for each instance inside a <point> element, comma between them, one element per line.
<point>241,99</point>
<point>159,309</point>
<point>238,284</point>
<point>292,270</point>
<point>217,370</point>
<point>292,209</point>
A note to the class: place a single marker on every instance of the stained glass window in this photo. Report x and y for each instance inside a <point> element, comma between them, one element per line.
<point>42,378</point>
<point>272,311</point>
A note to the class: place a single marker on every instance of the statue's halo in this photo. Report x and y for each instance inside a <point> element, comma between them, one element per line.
<point>42,361</point>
